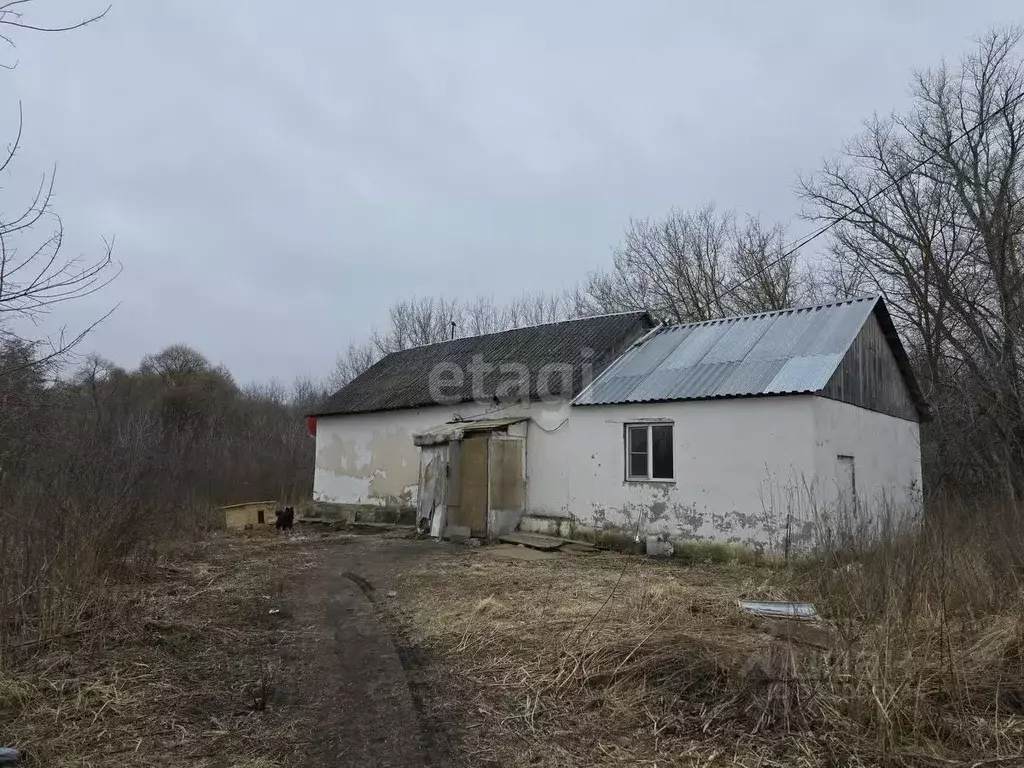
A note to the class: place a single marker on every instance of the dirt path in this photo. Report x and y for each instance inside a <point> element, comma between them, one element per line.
<point>369,713</point>
<point>250,651</point>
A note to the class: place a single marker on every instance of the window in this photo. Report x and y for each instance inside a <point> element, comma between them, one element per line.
<point>649,452</point>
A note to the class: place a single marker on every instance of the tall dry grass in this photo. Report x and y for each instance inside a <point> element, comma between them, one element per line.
<point>927,630</point>
<point>918,659</point>
<point>85,502</point>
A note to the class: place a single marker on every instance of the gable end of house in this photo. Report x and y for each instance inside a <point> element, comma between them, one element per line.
<point>875,372</point>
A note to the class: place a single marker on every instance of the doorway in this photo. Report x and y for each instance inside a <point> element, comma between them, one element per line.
<point>472,508</point>
<point>847,480</point>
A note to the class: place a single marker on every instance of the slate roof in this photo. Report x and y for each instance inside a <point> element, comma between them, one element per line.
<point>402,379</point>
<point>788,351</point>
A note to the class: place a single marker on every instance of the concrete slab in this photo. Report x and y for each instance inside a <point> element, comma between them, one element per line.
<point>533,540</point>
<point>517,552</point>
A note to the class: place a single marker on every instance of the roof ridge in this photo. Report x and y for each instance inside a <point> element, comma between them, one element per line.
<point>874,297</point>
<point>638,312</point>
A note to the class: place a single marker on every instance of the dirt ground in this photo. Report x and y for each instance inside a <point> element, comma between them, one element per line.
<point>332,649</point>
<point>560,660</point>
<point>244,650</point>
<point>315,649</point>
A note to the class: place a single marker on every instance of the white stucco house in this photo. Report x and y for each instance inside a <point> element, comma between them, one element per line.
<point>741,429</point>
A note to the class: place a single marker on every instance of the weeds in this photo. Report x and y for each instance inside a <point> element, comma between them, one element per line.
<point>919,659</point>
<point>181,671</point>
<point>715,552</point>
<point>262,690</point>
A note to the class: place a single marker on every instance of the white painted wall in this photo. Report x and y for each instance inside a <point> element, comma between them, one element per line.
<point>747,470</point>
<point>728,455</point>
<point>370,458</point>
<point>886,455</point>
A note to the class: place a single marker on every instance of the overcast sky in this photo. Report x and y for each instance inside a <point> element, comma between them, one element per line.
<point>276,174</point>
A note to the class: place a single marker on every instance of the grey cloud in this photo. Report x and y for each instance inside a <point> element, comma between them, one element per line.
<point>275,178</point>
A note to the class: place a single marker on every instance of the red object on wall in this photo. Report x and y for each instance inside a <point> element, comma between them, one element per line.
<point>311,425</point>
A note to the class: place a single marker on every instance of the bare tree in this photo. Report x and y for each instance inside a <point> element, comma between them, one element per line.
<point>762,276</point>
<point>696,265</point>
<point>536,309</point>
<point>36,275</point>
<point>356,358</point>
<point>485,315</point>
<point>417,321</point>
<point>482,315</point>
<point>175,364</point>
<point>927,208</point>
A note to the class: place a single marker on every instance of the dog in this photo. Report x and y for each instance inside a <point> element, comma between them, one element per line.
<point>285,519</point>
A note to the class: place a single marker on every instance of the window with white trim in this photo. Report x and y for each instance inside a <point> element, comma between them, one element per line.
<point>649,452</point>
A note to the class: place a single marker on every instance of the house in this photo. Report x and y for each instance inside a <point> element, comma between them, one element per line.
<point>740,429</point>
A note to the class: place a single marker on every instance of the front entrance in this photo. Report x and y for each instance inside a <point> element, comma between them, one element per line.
<point>472,475</point>
<point>472,507</point>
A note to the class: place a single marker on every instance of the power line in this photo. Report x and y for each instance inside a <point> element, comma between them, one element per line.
<point>899,180</point>
<point>810,238</point>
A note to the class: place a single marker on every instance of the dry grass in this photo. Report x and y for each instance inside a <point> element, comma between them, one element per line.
<point>542,668</point>
<point>580,660</point>
<point>183,667</point>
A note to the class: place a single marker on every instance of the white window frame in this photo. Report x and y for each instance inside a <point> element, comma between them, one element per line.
<point>649,426</point>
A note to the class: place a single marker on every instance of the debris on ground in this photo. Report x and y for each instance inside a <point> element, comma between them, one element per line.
<point>659,546</point>
<point>545,543</point>
<point>779,610</point>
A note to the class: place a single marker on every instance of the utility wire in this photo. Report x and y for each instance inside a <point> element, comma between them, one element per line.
<point>814,236</point>
<point>899,180</point>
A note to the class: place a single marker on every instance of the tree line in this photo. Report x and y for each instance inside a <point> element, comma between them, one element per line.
<point>925,206</point>
<point>99,467</point>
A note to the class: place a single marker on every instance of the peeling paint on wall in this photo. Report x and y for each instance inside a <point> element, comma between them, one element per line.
<point>366,466</point>
<point>749,471</point>
<point>371,459</point>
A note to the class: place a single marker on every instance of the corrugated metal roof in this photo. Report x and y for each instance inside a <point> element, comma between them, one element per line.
<point>789,351</point>
<point>402,379</point>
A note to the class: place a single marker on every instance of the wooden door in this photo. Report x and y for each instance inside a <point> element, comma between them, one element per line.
<point>507,481</point>
<point>472,507</point>
<point>847,480</point>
